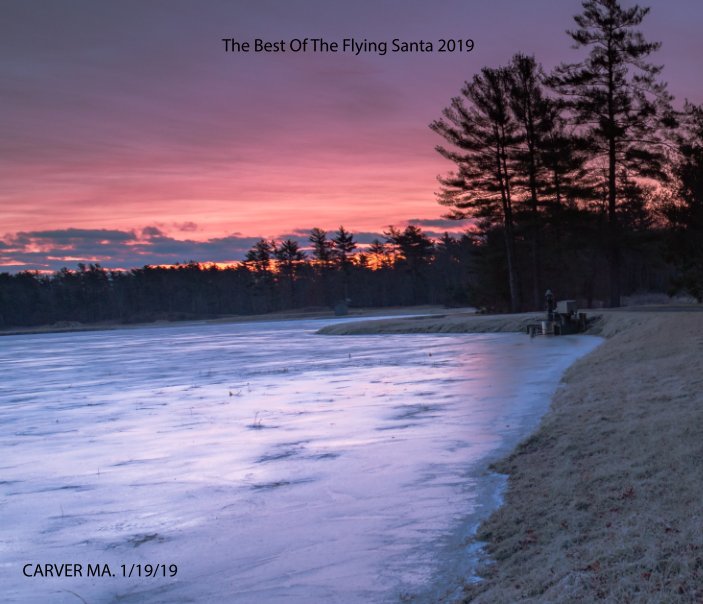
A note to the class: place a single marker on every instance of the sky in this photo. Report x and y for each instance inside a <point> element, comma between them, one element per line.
<point>130,136</point>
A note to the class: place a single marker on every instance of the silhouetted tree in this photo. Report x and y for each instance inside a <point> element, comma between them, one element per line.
<point>290,258</point>
<point>344,246</point>
<point>453,265</point>
<point>415,251</point>
<point>259,257</point>
<point>614,94</point>
<point>685,210</point>
<point>481,131</point>
<point>564,155</point>
<point>322,247</point>
<point>259,260</point>
<point>534,115</point>
<point>323,253</point>
<point>379,251</point>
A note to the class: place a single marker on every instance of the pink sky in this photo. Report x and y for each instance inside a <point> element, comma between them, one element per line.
<point>122,116</point>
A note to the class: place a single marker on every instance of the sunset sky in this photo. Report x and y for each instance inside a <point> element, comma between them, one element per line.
<point>129,135</point>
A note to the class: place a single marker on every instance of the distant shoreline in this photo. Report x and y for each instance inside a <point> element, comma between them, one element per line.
<point>605,499</point>
<point>289,315</point>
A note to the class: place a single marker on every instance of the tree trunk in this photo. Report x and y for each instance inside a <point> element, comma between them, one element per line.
<point>612,235</point>
<point>512,270</point>
<point>535,238</point>
<point>613,231</point>
<point>508,228</point>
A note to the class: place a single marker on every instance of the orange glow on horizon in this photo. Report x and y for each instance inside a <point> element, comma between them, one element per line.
<point>361,258</point>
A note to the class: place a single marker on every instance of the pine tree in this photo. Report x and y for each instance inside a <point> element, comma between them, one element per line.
<point>260,259</point>
<point>615,96</point>
<point>323,252</point>
<point>532,111</point>
<point>685,213</point>
<point>344,246</point>
<point>379,252</point>
<point>260,256</point>
<point>322,247</point>
<point>289,257</point>
<point>415,251</point>
<point>481,131</point>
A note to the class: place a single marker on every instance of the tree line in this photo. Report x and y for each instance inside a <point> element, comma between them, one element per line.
<point>406,268</point>
<point>588,171</point>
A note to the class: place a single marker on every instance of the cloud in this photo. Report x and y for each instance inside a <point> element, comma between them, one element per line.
<point>69,236</point>
<point>437,222</point>
<point>186,227</point>
<point>55,249</point>
<point>151,232</point>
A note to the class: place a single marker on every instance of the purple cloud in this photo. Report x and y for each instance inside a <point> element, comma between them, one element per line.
<point>52,250</point>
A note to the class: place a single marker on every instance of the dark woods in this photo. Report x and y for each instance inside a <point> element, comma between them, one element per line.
<point>407,268</point>
<point>587,175</point>
<point>584,180</point>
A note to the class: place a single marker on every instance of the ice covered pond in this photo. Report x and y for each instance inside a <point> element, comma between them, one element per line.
<point>268,463</point>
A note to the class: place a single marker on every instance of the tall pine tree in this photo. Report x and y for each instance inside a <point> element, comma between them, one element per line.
<point>532,111</point>
<point>685,214</point>
<point>615,96</point>
<point>481,130</point>
<point>344,246</point>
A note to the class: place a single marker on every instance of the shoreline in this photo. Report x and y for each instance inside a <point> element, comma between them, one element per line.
<point>289,315</point>
<point>604,498</point>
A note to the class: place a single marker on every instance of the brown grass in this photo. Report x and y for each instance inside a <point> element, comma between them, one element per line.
<point>605,500</point>
<point>455,322</point>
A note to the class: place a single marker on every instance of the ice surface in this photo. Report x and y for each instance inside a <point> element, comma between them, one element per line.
<point>270,464</point>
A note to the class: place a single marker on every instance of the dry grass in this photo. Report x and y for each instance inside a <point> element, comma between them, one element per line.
<point>605,500</point>
<point>456,322</point>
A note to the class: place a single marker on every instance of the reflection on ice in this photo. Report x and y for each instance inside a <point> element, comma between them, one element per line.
<point>270,464</point>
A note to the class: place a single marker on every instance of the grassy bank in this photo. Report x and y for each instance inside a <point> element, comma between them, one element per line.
<point>605,499</point>
<point>456,322</point>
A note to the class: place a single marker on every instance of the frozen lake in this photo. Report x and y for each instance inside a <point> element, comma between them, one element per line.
<point>261,462</point>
